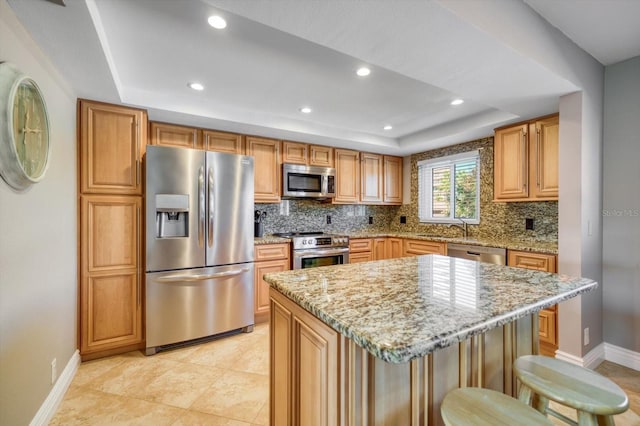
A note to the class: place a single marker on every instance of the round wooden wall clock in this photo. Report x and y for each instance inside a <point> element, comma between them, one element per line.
<point>24,129</point>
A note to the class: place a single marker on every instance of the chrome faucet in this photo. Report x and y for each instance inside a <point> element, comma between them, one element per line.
<point>463,226</point>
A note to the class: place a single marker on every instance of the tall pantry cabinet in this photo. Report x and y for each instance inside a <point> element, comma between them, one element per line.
<point>111,143</point>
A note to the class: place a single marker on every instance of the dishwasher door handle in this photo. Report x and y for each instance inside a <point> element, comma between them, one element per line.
<point>200,277</point>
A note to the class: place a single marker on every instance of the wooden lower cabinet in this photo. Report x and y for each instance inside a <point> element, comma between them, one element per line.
<point>268,258</point>
<point>320,377</point>
<point>419,247</point>
<point>379,248</point>
<point>111,316</point>
<point>111,274</point>
<point>547,318</point>
<point>304,367</point>
<point>360,250</point>
<point>394,248</point>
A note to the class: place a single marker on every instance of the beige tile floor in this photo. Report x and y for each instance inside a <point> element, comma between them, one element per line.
<point>223,382</point>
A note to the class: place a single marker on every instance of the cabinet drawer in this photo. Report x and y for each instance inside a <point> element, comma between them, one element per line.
<point>528,260</point>
<point>360,245</point>
<point>547,326</point>
<point>418,247</point>
<point>271,252</point>
<point>364,256</point>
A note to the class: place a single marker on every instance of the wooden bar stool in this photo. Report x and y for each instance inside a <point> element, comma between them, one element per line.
<point>595,397</point>
<point>480,407</point>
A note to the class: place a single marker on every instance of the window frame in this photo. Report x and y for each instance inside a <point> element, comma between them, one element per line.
<point>450,161</point>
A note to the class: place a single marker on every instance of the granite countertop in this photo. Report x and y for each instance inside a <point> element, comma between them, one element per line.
<point>270,239</point>
<point>539,246</point>
<point>400,309</point>
<point>534,245</point>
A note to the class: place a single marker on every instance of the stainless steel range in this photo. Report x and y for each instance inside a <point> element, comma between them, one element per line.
<point>311,249</point>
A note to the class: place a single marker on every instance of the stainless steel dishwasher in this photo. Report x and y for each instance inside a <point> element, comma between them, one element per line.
<point>494,255</point>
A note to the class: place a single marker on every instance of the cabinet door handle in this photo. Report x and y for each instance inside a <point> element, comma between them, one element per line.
<point>135,124</point>
<point>538,156</point>
<point>525,164</point>
<point>138,270</point>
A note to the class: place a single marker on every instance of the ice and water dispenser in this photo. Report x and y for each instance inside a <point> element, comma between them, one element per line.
<point>172,215</point>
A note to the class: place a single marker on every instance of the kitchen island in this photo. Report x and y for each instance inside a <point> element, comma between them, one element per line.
<point>383,342</point>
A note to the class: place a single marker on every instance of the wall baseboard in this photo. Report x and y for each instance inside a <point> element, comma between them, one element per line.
<point>50,405</point>
<point>622,356</point>
<point>604,351</point>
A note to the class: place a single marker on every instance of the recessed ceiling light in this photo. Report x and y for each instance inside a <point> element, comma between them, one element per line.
<point>388,127</point>
<point>457,102</point>
<point>217,22</point>
<point>196,86</point>
<point>305,110</point>
<point>363,72</point>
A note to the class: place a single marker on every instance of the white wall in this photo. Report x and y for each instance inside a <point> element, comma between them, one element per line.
<point>621,205</point>
<point>38,285</point>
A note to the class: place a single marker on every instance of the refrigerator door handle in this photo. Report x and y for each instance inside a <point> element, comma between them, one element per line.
<point>201,207</point>
<point>211,207</point>
<point>200,277</point>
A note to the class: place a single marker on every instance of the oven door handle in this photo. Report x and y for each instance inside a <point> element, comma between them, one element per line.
<point>320,252</point>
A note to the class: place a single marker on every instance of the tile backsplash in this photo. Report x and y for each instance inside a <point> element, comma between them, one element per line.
<point>311,215</point>
<point>496,219</point>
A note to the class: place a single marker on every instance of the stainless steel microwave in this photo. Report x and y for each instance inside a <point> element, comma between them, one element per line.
<point>300,181</point>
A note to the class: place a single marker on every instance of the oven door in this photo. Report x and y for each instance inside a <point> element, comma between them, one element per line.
<point>303,259</point>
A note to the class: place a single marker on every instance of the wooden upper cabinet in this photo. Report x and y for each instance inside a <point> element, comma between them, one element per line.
<point>511,163</point>
<point>347,176</point>
<point>392,180</point>
<point>112,141</point>
<point>321,156</point>
<point>544,152</point>
<point>172,135</point>
<point>526,161</point>
<point>371,178</point>
<point>266,154</point>
<point>230,143</point>
<point>294,152</point>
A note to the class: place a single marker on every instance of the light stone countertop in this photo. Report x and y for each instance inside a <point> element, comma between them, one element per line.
<point>400,309</point>
<point>539,246</point>
<point>533,245</point>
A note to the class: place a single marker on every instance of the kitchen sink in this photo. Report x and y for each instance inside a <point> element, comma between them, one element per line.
<point>494,255</point>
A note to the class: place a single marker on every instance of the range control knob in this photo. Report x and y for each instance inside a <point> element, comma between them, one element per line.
<point>304,242</point>
<point>311,241</point>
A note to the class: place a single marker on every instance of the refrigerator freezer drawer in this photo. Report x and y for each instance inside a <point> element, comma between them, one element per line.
<point>191,304</point>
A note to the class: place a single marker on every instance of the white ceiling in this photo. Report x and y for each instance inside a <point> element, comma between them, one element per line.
<point>276,56</point>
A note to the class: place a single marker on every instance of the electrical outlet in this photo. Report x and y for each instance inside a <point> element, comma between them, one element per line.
<point>403,219</point>
<point>528,223</point>
<point>54,371</point>
<point>328,219</point>
<point>586,336</point>
<point>370,220</point>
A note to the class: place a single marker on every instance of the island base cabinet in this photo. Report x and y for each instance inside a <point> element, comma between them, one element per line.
<point>304,362</point>
<point>320,377</point>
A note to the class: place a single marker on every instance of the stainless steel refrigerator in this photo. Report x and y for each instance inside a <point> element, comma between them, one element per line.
<point>199,245</point>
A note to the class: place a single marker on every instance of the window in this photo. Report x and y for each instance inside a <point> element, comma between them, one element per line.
<point>449,188</point>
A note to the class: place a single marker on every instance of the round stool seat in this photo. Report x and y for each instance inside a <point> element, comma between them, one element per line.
<point>595,398</point>
<point>476,406</point>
